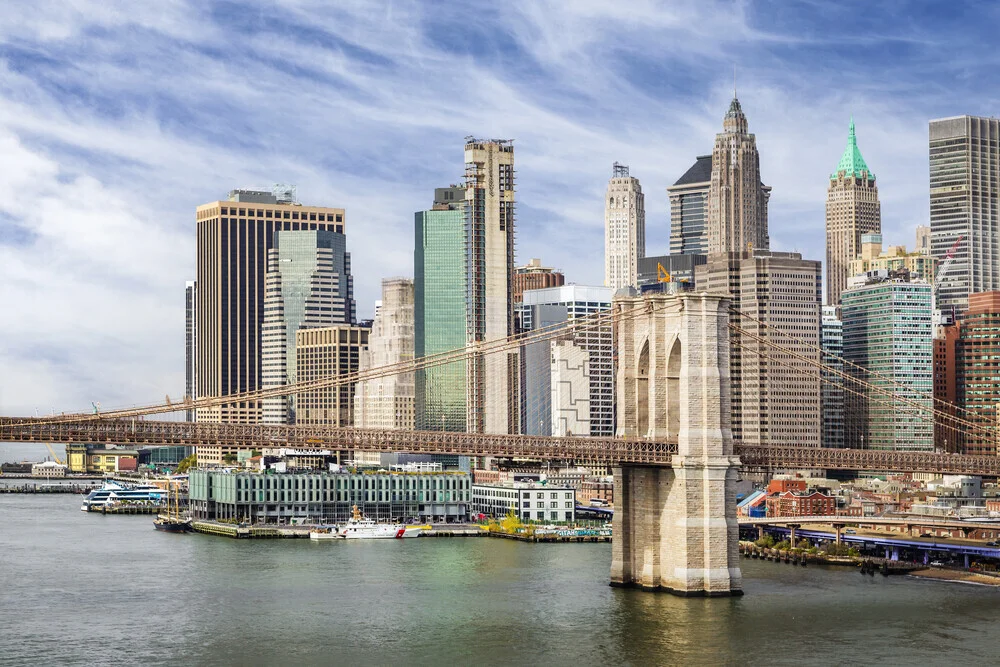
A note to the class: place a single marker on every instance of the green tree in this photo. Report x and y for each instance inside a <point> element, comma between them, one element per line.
<point>187,463</point>
<point>229,458</point>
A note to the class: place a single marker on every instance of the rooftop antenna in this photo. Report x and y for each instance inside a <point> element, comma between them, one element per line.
<point>734,80</point>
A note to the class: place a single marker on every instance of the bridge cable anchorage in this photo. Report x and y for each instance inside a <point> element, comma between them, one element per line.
<point>499,345</point>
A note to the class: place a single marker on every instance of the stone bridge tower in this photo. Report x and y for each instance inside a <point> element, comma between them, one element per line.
<point>675,527</point>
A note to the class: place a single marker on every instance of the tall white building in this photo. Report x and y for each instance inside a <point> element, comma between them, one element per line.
<point>832,391</point>
<point>624,229</point>
<point>387,402</point>
<point>570,372</point>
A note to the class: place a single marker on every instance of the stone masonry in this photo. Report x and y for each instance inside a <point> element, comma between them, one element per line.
<point>675,528</point>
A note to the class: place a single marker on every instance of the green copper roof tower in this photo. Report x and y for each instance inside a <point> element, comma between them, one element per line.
<point>851,162</point>
<point>852,209</point>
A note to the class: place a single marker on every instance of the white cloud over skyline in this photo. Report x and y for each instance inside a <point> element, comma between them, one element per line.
<point>117,119</point>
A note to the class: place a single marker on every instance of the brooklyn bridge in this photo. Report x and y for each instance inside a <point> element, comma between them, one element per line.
<point>674,458</point>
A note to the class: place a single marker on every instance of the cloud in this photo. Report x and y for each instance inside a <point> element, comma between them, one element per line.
<point>117,119</point>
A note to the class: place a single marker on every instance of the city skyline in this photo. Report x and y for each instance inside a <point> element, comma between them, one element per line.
<point>97,223</point>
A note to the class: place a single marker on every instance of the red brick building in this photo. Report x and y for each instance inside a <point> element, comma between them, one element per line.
<point>534,276</point>
<point>783,485</point>
<point>946,387</point>
<point>978,362</point>
<point>791,503</point>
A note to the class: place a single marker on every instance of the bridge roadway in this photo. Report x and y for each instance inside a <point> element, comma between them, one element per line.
<point>609,451</point>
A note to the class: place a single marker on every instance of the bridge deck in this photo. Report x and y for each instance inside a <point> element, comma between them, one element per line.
<point>584,449</point>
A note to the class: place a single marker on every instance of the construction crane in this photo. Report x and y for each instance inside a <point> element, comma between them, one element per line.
<point>53,453</point>
<point>661,274</point>
<point>945,265</point>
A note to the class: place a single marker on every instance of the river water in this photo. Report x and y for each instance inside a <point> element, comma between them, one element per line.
<point>86,589</point>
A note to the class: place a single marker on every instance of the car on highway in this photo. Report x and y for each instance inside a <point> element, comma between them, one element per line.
<point>851,531</point>
<point>936,563</point>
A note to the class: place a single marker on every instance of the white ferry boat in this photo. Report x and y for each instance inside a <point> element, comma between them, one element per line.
<point>116,492</point>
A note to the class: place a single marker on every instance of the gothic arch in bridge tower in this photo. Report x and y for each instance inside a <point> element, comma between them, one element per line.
<point>642,391</point>
<point>673,405</point>
<point>675,526</point>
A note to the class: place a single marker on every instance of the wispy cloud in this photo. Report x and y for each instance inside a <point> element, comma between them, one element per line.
<point>118,118</point>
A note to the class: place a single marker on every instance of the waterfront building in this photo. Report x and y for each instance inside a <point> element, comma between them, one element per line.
<point>233,241</point>
<point>190,341</point>
<point>534,276</point>
<point>547,307</point>
<point>737,199</point>
<point>888,332</point>
<point>832,391</point>
<point>308,285</point>
<point>689,209</point>
<point>680,268</point>
<point>102,460</point>
<point>328,352</point>
<point>439,316</point>
<point>48,469</point>
<point>871,257</point>
<point>624,229</point>
<point>964,158</point>
<point>164,457</point>
<point>530,502</point>
<point>978,365</point>
<point>946,438</point>
<point>387,402</point>
<point>852,210</point>
<point>329,497</point>
<point>775,399</point>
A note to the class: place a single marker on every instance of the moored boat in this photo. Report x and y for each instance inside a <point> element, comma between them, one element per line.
<point>325,533</point>
<point>113,493</point>
<point>360,527</point>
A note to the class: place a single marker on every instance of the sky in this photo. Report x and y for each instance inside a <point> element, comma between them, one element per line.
<point>118,118</point>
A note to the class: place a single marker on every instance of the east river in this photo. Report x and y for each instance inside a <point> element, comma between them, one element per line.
<point>86,589</point>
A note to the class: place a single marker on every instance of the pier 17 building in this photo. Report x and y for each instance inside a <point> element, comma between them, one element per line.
<point>328,497</point>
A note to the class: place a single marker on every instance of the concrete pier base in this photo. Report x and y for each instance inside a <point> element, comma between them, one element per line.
<point>672,532</point>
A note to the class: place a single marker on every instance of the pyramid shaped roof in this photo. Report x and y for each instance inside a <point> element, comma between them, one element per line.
<point>851,161</point>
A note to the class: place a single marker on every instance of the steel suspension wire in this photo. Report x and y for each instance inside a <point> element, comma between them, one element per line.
<point>890,402</point>
<point>846,362</point>
<point>494,346</point>
<point>937,413</point>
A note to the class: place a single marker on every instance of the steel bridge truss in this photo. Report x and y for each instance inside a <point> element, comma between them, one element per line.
<point>604,451</point>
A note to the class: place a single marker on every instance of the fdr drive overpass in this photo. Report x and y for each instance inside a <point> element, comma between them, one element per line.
<point>607,451</point>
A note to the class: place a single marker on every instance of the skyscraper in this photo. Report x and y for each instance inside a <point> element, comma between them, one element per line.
<point>832,341</point>
<point>190,340</point>
<point>978,372</point>
<point>546,307</point>
<point>689,209</point>
<point>775,397</point>
<point>624,229</point>
<point>234,237</point>
<point>737,200</point>
<point>439,310</point>
<point>322,353</point>
<point>491,396</point>
<point>387,402</point>
<point>888,332</point>
<point>308,285</point>
<point>852,209</point>
<point>964,163</point>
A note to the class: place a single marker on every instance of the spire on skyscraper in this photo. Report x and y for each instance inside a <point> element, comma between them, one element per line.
<point>851,162</point>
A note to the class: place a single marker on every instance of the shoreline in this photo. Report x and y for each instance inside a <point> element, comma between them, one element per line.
<point>956,577</point>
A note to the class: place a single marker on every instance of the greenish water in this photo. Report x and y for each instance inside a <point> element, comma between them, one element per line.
<point>85,589</point>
